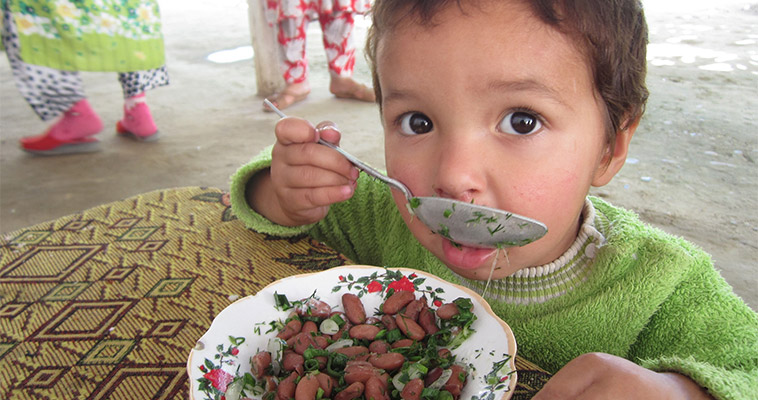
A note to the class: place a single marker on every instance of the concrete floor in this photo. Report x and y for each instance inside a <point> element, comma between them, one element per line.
<point>211,123</point>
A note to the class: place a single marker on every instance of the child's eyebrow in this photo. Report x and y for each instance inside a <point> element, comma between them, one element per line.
<point>395,95</point>
<point>527,85</point>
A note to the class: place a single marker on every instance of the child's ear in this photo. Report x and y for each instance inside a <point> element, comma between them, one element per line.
<point>609,168</point>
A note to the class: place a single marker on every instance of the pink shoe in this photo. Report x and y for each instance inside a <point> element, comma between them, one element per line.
<point>138,123</point>
<point>71,134</point>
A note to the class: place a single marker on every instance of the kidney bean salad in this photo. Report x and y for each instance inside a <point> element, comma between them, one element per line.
<point>341,352</point>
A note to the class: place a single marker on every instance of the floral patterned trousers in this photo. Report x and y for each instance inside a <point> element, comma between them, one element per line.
<point>337,29</point>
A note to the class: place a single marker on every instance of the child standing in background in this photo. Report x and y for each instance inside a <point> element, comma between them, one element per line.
<point>49,42</point>
<point>521,105</point>
<point>337,20</point>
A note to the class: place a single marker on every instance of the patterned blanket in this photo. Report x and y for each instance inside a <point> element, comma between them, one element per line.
<point>107,303</point>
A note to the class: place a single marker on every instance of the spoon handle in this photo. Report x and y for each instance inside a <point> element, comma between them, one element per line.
<point>358,163</point>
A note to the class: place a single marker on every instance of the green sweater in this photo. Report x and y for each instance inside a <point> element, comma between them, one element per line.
<point>623,288</point>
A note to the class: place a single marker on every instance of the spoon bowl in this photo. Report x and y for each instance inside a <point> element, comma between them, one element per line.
<point>463,223</point>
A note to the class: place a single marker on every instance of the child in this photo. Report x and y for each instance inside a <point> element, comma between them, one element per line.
<point>48,42</point>
<point>522,106</point>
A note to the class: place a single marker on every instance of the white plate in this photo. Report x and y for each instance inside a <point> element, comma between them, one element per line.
<point>239,331</point>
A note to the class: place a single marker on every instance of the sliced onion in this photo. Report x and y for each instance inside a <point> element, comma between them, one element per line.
<point>413,371</point>
<point>339,344</point>
<point>276,347</point>
<point>397,383</point>
<point>329,327</point>
<point>234,390</point>
<point>442,380</point>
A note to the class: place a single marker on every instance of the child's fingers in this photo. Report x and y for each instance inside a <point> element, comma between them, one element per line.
<point>316,156</point>
<point>304,202</point>
<point>328,131</point>
<point>292,130</point>
<point>301,177</point>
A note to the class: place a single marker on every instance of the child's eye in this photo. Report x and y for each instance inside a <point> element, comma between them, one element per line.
<point>415,123</point>
<point>520,123</point>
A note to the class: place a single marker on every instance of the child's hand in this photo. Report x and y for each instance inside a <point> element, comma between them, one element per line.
<point>604,376</point>
<point>305,177</point>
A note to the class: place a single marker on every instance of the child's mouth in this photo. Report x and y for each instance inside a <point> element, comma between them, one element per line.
<point>465,257</point>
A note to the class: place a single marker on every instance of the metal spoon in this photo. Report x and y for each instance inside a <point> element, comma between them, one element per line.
<point>463,223</point>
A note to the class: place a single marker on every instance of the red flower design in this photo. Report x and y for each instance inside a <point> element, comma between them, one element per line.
<point>342,278</point>
<point>437,303</point>
<point>219,378</point>
<point>412,276</point>
<point>403,284</point>
<point>374,286</point>
<point>235,351</point>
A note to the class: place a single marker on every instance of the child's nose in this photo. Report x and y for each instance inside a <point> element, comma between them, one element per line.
<point>460,172</point>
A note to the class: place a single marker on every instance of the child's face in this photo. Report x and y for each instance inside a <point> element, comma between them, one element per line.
<point>496,107</point>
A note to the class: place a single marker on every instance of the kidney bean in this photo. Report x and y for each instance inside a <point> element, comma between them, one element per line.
<point>362,357</point>
<point>444,353</point>
<point>409,327</point>
<point>307,388</point>
<point>384,377</point>
<point>447,311</point>
<point>414,308</point>
<point>326,383</point>
<point>286,388</point>
<point>375,389</point>
<point>352,351</point>
<point>345,328</point>
<point>270,384</point>
<point>352,391</point>
<point>321,342</point>
<point>428,321</point>
<point>379,347</point>
<point>354,309</point>
<point>358,371</point>
<point>291,329</point>
<point>454,385</point>
<point>309,327</point>
<point>302,342</point>
<point>402,343</point>
<point>397,301</point>
<point>432,376</point>
<point>292,361</point>
<point>387,361</point>
<point>389,322</point>
<point>412,390</point>
<point>364,332</point>
<point>259,363</point>
<point>314,308</point>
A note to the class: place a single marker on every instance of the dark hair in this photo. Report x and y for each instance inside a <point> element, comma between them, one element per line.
<point>611,33</point>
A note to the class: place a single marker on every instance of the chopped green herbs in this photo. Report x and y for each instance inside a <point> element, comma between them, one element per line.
<point>495,230</point>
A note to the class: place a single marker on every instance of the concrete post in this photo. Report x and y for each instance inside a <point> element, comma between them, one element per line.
<point>268,76</point>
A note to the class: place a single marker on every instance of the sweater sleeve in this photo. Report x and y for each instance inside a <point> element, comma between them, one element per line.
<point>704,331</point>
<point>242,209</point>
<point>367,228</point>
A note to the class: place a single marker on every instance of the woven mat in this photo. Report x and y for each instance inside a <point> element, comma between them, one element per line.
<point>106,304</point>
